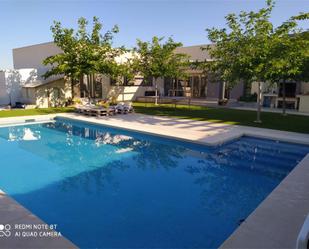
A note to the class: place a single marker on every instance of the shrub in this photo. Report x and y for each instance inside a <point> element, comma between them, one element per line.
<point>248,98</point>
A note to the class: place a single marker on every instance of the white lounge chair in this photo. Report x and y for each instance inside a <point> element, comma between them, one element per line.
<point>124,108</point>
<point>84,108</point>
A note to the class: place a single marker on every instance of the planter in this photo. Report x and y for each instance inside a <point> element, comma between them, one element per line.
<point>222,102</point>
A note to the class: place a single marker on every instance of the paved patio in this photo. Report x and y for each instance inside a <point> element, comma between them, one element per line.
<point>203,132</point>
<point>13,214</point>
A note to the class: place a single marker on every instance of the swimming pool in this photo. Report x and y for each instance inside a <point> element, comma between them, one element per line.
<point>111,188</point>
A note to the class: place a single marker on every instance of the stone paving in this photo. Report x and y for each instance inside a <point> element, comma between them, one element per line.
<point>203,132</point>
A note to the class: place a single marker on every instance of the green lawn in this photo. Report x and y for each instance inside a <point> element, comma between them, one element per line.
<point>30,112</point>
<point>276,121</point>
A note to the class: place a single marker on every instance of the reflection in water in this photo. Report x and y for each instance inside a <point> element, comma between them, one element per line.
<point>20,133</point>
<point>132,190</point>
<point>30,135</point>
<point>94,181</point>
<point>147,153</point>
<point>144,154</point>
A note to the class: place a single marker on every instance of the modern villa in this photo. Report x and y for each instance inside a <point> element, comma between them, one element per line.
<point>199,86</point>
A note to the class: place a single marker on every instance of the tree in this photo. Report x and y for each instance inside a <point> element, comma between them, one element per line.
<point>289,52</point>
<point>64,63</point>
<point>83,53</point>
<point>253,50</point>
<point>241,52</point>
<point>304,75</point>
<point>158,59</point>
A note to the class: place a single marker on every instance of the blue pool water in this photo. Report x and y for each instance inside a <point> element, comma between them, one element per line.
<point>110,188</point>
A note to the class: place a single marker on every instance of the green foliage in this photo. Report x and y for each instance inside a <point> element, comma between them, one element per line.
<point>251,49</point>
<point>241,51</point>
<point>125,70</point>
<point>84,53</point>
<point>158,59</point>
<point>289,52</point>
<point>249,98</point>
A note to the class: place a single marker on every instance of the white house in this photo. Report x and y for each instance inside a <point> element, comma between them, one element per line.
<point>56,90</point>
<point>40,92</point>
<point>25,84</point>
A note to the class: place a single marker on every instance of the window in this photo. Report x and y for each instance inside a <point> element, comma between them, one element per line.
<point>27,93</point>
<point>121,81</point>
<point>98,89</point>
<point>113,81</point>
<point>290,90</point>
<point>136,81</point>
<point>147,81</point>
<point>127,82</point>
<point>56,93</point>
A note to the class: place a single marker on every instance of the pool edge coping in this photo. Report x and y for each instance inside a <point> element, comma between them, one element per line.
<point>239,131</point>
<point>240,238</point>
<point>278,219</point>
<point>21,213</point>
<point>240,234</point>
<point>15,213</point>
<point>254,240</point>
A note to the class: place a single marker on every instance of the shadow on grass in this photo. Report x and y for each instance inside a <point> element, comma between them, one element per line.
<point>277,121</point>
<point>30,112</point>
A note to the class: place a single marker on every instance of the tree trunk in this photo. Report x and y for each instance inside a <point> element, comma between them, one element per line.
<point>48,98</point>
<point>156,87</point>
<point>93,90</point>
<point>81,86</point>
<point>88,88</point>
<point>259,100</point>
<point>72,88</point>
<point>247,88</point>
<point>283,99</point>
<point>10,97</point>
<point>123,86</point>
<point>223,90</point>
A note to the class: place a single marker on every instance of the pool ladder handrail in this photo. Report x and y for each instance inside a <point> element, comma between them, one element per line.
<point>303,236</point>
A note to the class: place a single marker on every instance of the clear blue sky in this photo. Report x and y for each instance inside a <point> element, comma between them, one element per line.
<point>26,22</point>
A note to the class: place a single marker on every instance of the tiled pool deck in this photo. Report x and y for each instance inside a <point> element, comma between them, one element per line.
<point>274,224</point>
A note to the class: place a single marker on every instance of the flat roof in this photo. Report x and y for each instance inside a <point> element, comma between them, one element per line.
<point>38,83</point>
<point>33,45</point>
<point>197,52</point>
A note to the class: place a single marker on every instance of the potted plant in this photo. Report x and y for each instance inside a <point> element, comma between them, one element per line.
<point>222,101</point>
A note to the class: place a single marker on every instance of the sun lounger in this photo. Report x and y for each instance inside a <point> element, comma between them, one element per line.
<point>90,109</point>
<point>124,108</point>
<point>84,108</point>
<point>98,111</point>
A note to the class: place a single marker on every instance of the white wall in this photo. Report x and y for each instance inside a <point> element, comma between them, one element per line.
<point>33,56</point>
<point>11,82</point>
<point>305,88</point>
<point>304,103</point>
<point>4,97</point>
<point>266,87</point>
<point>128,93</point>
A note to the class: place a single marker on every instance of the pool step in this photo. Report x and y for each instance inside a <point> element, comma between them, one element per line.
<point>267,152</point>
